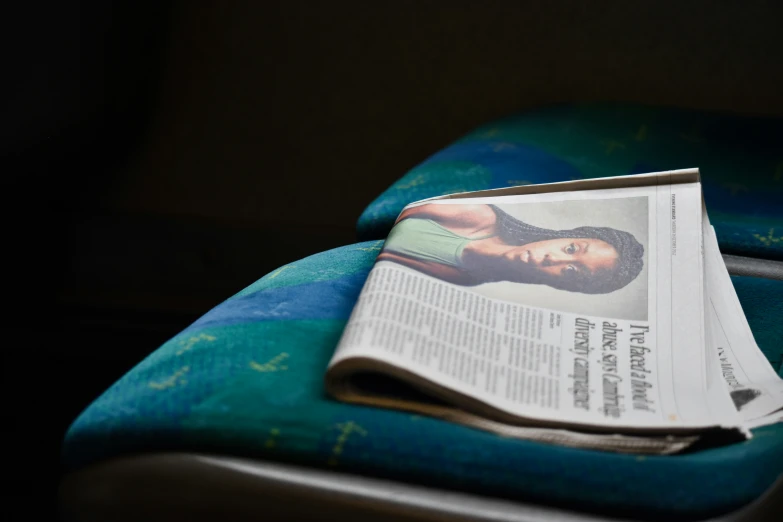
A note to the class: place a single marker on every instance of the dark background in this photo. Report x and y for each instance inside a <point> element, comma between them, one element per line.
<point>159,156</point>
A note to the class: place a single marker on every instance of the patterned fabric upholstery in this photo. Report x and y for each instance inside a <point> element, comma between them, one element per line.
<point>247,379</point>
<point>740,159</point>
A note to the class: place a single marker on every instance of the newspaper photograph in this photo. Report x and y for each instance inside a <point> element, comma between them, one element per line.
<point>581,256</point>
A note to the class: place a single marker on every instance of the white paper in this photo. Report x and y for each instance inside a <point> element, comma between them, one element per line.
<point>756,389</point>
<point>546,364</point>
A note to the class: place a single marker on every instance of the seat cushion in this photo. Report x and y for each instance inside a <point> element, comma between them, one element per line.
<point>739,158</point>
<point>247,380</point>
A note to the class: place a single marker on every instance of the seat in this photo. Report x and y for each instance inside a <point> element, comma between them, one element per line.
<point>738,156</point>
<point>232,412</point>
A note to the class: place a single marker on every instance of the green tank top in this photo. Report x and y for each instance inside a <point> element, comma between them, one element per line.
<point>426,240</point>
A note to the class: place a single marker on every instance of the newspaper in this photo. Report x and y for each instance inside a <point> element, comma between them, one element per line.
<point>586,313</point>
<point>756,390</point>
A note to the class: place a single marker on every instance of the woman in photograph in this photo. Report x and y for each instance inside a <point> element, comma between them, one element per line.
<point>476,244</point>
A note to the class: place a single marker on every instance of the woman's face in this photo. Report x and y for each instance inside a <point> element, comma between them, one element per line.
<point>565,258</point>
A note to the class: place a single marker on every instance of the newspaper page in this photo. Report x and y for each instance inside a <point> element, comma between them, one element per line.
<point>582,307</point>
<point>756,390</point>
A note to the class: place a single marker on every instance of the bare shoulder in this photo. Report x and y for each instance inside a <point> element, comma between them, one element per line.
<point>462,218</point>
<point>479,214</point>
<point>477,219</point>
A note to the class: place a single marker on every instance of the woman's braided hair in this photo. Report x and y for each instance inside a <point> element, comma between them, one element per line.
<point>630,252</point>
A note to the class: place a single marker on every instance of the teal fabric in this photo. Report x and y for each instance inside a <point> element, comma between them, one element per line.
<point>247,379</point>
<point>740,159</point>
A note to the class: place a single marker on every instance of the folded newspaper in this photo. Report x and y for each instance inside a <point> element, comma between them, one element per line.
<point>593,314</point>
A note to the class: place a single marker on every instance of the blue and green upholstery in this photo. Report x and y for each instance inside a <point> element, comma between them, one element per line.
<point>247,380</point>
<point>740,158</point>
